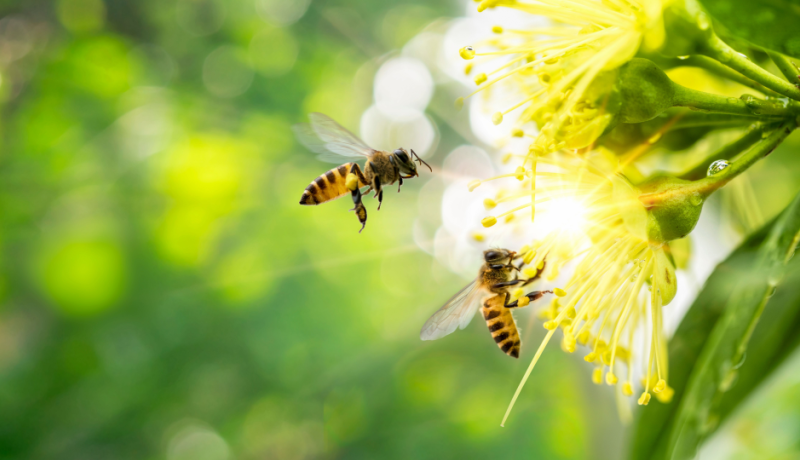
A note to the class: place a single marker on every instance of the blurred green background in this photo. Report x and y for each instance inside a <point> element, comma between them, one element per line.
<point>163,295</point>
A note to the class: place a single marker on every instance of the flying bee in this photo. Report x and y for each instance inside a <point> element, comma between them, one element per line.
<point>490,289</point>
<point>327,137</point>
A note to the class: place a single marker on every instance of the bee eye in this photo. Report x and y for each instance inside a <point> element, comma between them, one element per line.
<point>401,155</point>
<point>492,255</point>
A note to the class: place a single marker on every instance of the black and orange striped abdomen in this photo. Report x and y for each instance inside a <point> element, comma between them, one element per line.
<point>501,324</point>
<point>328,186</point>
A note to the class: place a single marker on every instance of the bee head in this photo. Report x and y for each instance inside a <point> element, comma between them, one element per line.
<point>405,162</point>
<point>494,256</point>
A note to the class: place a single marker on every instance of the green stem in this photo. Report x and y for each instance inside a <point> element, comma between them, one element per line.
<point>715,48</point>
<point>746,105</point>
<point>710,120</point>
<point>705,187</point>
<point>788,68</point>
<point>728,151</point>
<point>712,66</point>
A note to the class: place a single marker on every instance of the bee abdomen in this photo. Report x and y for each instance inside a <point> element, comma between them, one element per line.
<point>502,325</point>
<point>327,187</point>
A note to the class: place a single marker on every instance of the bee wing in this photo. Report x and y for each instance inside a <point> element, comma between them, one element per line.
<point>330,139</point>
<point>456,313</point>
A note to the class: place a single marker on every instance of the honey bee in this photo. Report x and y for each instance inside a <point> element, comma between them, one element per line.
<point>495,278</point>
<point>327,137</point>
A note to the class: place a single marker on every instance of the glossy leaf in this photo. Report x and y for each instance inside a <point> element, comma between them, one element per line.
<point>772,25</point>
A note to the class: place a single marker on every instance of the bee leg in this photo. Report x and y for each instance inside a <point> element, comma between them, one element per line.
<point>378,192</point>
<point>359,208</point>
<point>400,184</point>
<point>535,295</point>
<point>535,277</point>
<point>503,284</point>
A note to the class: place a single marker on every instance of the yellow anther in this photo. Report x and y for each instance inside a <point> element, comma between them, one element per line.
<point>516,132</point>
<point>480,78</point>
<point>507,157</point>
<point>606,357</point>
<point>528,258</point>
<point>654,138</point>
<point>568,344</point>
<point>497,29</point>
<point>509,218</point>
<point>597,376</point>
<point>523,301</point>
<point>590,357</point>
<point>627,389</point>
<point>517,293</point>
<point>467,69</point>
<point>559,292</point>
<point>478,237</point>
<point>497,118</point>
<point>473,185</point>
<point>553,274</point>
<point>524,249</point>
<point>540,265</point>
<point>584,337</point>
<point>666,395</point>
<point>571,313</point>
<point>519,173</point>
<point>351,181</point>
<point>466,52</point>
<point>489,203</point>
<point>611,379</point>
<point>660,386</point>
<point>644,399</point>
<point>488,221</point>
<point>601,345</point>
<point>459,103</point>
<point>550,325</point>
<point>529,272</point>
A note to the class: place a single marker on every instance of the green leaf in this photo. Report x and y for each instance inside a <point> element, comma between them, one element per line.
<point>772,25</point>
<point>709,347</point>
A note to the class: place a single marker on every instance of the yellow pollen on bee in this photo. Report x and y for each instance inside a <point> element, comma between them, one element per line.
<point>627,389</point>
<point>523,301</point>
<point>473,185</point>
<point>489,203</point>
<point>558,291</point>
<point>488,221</point>
<point>517,293</point>
<point>480,78</point>
<point>497,118</point>
<point>611,379</point>
<point>597,376</point>
<point>351,181</point>
<point>644,399</point>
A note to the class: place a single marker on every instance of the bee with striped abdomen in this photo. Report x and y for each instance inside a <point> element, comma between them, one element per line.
<point>327,137</point>
<point>490,288</point>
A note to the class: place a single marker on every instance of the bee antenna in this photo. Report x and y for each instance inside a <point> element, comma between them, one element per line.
<point>421,161</point>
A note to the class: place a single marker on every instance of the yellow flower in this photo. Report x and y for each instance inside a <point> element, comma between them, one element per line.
<point>563,74</point>
<point>620,280</point>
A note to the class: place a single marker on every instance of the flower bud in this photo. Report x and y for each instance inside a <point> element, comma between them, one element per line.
<point>645,89</point>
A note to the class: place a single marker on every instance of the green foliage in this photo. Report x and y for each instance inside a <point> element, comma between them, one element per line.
<point>771,25</point>
<point>713,341</point>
